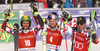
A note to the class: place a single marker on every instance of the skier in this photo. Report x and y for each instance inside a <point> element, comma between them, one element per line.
<point>27,36</point>
<point>82,35</point>
<point>54,36</point>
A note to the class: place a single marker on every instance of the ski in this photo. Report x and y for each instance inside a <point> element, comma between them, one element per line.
<point>44,27</point>
<point>72,47</point>
<point>16,36</point>
<point>92,18</point>
<point>2,29</point>
<point>44,35</point>
<point>64,28</point>
<point>74,28</point>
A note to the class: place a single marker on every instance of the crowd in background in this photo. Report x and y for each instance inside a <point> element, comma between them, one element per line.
<point>57,3</point>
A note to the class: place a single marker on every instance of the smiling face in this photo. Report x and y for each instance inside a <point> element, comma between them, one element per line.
<point>25,24</point>
<point>53,22</point>
<point>81,25</point>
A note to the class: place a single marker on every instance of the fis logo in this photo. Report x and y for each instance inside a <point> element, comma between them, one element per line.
<point>98,24</point>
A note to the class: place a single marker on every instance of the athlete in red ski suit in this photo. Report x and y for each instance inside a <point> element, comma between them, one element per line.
<point>82,36</point>
<point>27,35</point>
<point>54,36</point>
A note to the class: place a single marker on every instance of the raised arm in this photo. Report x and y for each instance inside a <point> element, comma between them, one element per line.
<point>37,18</point>
<point>8,29</point>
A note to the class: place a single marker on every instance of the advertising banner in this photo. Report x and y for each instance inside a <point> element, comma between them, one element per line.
<point>74,12</point>
<point>3,7</point>
<point>12,15</point>
<point>21,6</point>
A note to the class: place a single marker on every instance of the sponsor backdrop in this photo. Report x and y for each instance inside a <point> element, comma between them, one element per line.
<point>44,13</point>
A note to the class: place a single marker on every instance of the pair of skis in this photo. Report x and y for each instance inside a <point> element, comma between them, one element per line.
<point>43,24</point>
<point>92,19</point>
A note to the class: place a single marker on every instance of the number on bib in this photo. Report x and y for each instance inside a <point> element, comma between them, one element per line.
<point>51,39</point>
<point>27,42</point>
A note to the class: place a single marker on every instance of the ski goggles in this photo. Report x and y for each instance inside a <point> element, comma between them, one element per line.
<point>81,23</point>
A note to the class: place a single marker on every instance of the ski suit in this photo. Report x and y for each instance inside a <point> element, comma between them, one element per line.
<point>27,38</point>
<point>81,42</point>
<point>54,37</point>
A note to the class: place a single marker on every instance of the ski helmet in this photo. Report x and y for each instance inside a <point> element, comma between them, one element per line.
<point>53,15</point>
<point>26,18</point>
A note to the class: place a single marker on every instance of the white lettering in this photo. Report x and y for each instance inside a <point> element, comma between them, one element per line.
<point>27,42</point>
<point>83,11</point>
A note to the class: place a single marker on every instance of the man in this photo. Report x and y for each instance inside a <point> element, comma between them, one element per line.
<point>54,33</point>
<point>27,36</point>
<point>54,36</point>
<point>82,35</point>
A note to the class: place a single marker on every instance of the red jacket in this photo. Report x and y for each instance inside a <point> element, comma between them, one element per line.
<point>82,41</point>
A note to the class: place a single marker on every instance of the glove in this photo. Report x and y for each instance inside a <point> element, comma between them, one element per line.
<point>36,29</point>
<point>7,12</point>
<point>16,26</point>
<point>33,6</point>
<point>66,16</point>
<point>35,9</point>
<point>93,31</point>
<point>4,24</point>
<point>92,27</point>
<point>74,28</point>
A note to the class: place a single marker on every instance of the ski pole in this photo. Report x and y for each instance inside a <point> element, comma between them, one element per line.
<point>64,29</point>
<point>60,32</point>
